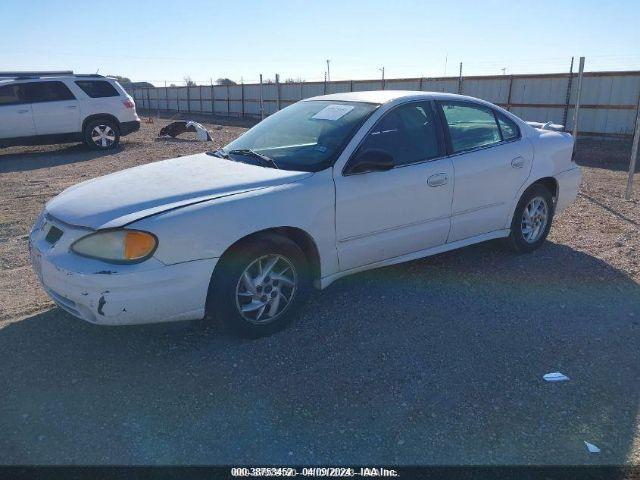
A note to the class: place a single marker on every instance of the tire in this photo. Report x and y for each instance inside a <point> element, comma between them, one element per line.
<point>101,134</point>
<point>528,235</point>
<point>236,299</point>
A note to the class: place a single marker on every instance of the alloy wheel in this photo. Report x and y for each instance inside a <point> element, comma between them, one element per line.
<point>265,288</point>
<point>103,136</point>
<point>534,219</point>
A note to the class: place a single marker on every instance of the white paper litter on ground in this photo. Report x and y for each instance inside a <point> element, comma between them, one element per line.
<point>592,448</point>
<point>555,377</point>
<point>333,112</point>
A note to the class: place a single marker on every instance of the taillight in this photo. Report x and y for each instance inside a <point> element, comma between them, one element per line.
<point>128,103</point>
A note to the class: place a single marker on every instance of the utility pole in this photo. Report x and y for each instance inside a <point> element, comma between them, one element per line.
<point>328,71</point>
<point>504,70</point>
<point>382,70</point>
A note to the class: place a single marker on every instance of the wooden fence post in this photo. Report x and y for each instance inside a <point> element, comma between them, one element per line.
<point>261,100</point>
<point>509,94</point>
<point>565,112</point>
<point>242,97</point>
<point>634,154</point>
<point>576,110</point>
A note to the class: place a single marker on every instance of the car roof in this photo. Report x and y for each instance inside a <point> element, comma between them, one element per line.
<point>386,96</point>
<point>27,78</point>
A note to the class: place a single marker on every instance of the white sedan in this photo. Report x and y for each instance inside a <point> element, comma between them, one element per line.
<point>326,187</point>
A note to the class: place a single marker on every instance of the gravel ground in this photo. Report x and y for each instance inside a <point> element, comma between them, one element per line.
<point>434,361</point>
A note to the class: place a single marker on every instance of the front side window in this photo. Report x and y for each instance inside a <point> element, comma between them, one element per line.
<point>38,92</point>
<point>408,133</point>
<point>306,136</point>
<point>97,88</point>
<point>11,95</point>
<point>470,126</point>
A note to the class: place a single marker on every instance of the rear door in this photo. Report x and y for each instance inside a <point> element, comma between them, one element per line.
<point>16,119</point>
<point>55,108</point>
<point>491,161</point>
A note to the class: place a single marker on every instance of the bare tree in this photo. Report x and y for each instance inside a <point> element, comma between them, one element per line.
<point>188,82</point>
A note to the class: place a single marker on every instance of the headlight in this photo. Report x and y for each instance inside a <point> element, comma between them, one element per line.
<point>117,246</point>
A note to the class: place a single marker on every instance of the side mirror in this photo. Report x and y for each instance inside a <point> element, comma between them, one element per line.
<point>372,160</point>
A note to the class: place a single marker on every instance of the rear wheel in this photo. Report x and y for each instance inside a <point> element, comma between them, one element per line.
<point>259,285</point>
<point>532,219</point>
<point>101,134</point>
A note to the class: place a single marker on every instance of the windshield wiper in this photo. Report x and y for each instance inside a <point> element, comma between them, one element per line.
<point>219,153</point>
<point>253,153</point>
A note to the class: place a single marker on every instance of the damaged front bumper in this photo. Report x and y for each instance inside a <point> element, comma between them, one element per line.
<point>107,294</point>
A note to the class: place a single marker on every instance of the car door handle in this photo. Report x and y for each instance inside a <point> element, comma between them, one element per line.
<point>517,162</point>
<point>72,107</point>
<point>23,110</point>
<point>437,179</point>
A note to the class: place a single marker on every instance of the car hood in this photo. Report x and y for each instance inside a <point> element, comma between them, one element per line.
<point>129,195</point>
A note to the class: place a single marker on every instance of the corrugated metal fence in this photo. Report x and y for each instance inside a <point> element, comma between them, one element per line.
<point>608,101</point>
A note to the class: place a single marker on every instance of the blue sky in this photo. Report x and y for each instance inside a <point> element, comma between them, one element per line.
<point>166,40</point>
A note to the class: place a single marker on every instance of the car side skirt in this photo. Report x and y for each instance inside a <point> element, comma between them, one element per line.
<point>126,128</point>
<point>329,279</point>
<point>42,139</point>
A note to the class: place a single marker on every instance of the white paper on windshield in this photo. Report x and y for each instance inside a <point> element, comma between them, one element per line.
<point>333,112</point>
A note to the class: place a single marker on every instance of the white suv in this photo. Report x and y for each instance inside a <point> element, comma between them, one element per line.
<point>59,109</point>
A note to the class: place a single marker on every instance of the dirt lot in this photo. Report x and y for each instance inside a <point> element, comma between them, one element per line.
<point>435,361</point>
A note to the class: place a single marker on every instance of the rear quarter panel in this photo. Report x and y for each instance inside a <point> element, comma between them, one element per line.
<point>110,105</point>
<point>552,157</point>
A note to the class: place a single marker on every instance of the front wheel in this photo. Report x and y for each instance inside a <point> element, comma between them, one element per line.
<point>532,219</point>
<point>258,286</point>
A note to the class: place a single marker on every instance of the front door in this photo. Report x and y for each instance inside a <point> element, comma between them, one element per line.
<point>55,109</point>
<point>382,215</point>
<point>16,119</point>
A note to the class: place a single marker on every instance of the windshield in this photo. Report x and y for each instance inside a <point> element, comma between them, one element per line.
<point>306,136</point>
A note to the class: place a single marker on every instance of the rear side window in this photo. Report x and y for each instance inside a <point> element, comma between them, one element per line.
<point>11,95</point>
<point>38,92</point>
<point>408,133</point>
<point>97,88</point>
<point>509,129</point>
<point>470,126</point>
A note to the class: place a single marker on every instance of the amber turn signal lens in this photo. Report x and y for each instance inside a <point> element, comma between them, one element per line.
<point>138,245</point>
